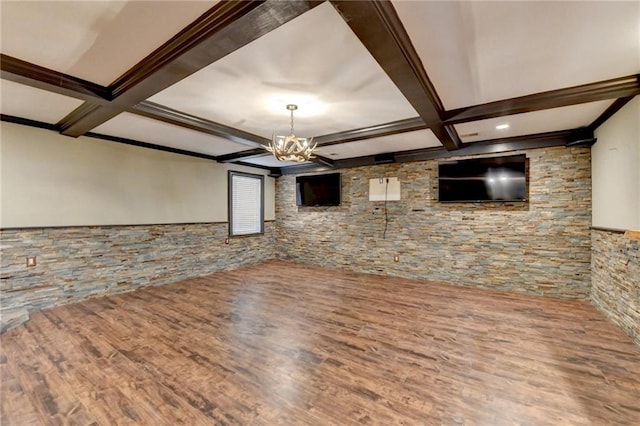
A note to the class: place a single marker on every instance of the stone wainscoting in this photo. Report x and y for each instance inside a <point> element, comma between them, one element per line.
<point>80,262</point>
<point>615,278</point>
<point>542,246</point>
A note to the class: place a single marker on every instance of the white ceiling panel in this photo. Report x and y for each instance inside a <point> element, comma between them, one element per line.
<point>394,143</point>
<point>314,61</point>
<point>478,52</point>
<point>147,130</point>
<point>548,120</point>
<point>35,104</point>
<point>93,40</point>
<point>269,161</point>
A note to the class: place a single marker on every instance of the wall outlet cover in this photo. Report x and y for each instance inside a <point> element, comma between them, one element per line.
<point>378,186</point>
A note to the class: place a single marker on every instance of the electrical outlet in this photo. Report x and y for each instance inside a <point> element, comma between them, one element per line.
<point>31,261</point>
<point>396,258</point>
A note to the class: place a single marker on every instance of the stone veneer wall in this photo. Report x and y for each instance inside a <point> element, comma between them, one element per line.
<point>542,246</point>
<point>615,279</point>
<point>80,262</point>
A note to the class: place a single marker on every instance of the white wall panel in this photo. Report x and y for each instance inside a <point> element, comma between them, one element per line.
<point>615,162</point>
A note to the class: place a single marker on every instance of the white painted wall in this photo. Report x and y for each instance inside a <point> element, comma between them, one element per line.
<point>52,180</point>
<point>615,161</point>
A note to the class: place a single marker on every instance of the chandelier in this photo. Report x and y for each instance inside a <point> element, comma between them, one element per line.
<point>291,148</point>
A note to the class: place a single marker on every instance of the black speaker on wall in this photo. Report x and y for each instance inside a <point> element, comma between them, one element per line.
<point>384,159</point>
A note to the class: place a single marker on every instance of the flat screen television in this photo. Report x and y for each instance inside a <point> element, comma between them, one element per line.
<point>318,190</point>
<point>483,179</point>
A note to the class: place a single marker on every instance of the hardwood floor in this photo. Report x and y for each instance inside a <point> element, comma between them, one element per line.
<point>285,344</point>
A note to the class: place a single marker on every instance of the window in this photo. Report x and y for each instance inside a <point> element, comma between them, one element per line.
<point>246,203</point>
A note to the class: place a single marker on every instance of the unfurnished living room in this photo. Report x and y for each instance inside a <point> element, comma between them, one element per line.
<point>320,213</point>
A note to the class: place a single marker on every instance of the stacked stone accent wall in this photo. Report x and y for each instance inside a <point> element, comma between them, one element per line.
<point>80,262</point>
<point>615,275</point>
<point>542,246</point>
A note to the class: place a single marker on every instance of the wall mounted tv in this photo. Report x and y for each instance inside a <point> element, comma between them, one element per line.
<point>318,190</point>
<point>483,179</point>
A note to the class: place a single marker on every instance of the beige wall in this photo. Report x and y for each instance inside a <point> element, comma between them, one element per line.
<point>616,170</point>
<point>52,180</point>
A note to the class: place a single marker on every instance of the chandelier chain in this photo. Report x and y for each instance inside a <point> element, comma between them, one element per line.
<point>292,122</point>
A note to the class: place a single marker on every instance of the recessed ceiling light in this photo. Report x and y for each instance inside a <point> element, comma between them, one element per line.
<point>502,126</point>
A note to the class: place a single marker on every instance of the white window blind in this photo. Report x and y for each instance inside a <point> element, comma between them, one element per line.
<point>246,203</point>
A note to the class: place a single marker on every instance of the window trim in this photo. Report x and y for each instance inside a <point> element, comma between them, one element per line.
<point>230,175</point>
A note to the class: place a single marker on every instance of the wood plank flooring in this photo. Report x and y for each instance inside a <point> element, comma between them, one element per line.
<point>286,344</point>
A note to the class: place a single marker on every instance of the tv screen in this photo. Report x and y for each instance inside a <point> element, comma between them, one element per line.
<point>318,190</point>
<point>483,179</point>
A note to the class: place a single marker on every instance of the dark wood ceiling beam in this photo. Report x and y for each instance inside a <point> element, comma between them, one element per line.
<point>592,92</point>
<point>380,30</point>
<point>133,142</point>
<point>43,78</point>
<point>153,146</point>
<point>210,25</point>
<point>243,155</point>
<point>494,146</point>
<point>273,171</point>
<point>56,128</point>
<point>337,138</point>
<point>609,112</point>
<point>87,109</point>
<point>305,168</point>
<point>386,129</point>
<point>324,161</point>
<point>188,121</point>
<point>19,71</point>
<point>27,122</point>
<point>224,28</point>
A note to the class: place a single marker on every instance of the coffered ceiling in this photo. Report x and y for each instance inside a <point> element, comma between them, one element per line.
<point>374,81</point>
